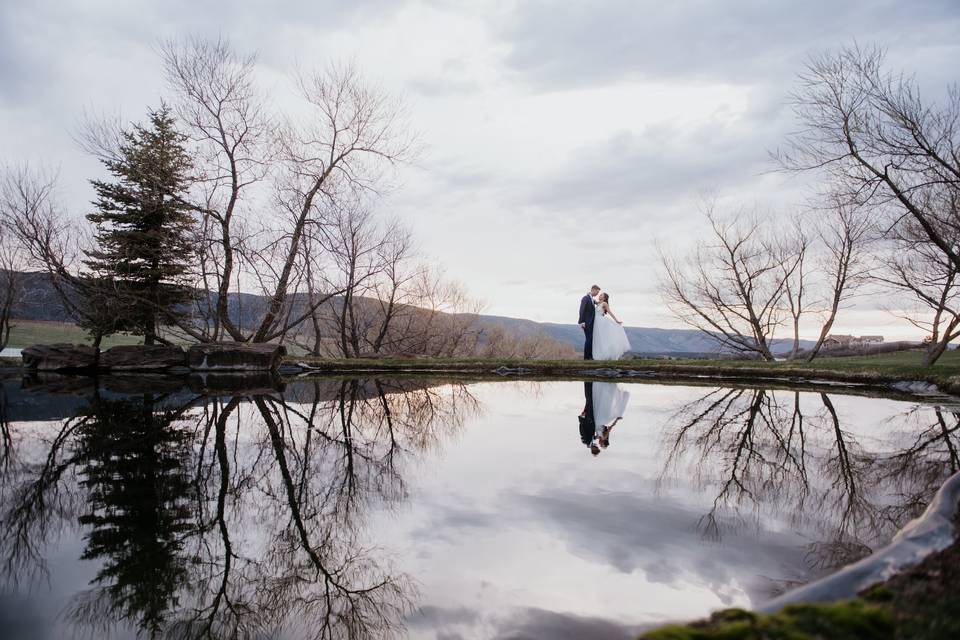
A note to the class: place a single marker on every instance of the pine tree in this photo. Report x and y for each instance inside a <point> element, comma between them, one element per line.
<point>143,249</point>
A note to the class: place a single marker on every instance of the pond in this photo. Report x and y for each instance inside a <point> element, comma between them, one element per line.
<point>438,508</point>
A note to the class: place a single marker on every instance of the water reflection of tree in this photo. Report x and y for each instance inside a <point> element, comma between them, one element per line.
<point>234,517</point>
<point>136,476</point>
<point>6,440</point>
<point>917,471</point>
<point>786,455</point>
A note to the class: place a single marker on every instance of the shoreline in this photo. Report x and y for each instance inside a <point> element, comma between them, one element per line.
<point>905,381</point>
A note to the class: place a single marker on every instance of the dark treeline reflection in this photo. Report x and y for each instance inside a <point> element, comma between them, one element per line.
<point>782,456</point>
<point>237,516</point>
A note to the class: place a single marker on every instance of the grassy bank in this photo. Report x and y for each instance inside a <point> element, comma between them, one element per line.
<point>876,369</point>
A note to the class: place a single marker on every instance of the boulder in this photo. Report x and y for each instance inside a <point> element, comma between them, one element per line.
<point>235,356</point>
<point>59,357</point>
<point>140,357</point>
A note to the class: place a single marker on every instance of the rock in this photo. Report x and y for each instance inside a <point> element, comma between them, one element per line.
<point>141,357</point>
<point>916,387</point>
<point>235,356</point>
<point>59,357</point>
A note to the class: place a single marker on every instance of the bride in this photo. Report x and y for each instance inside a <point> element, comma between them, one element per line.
<point>609,338</point>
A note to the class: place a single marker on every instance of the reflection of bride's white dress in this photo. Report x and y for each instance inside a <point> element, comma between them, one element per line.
<point>609,338</point>
<point>609,403</point>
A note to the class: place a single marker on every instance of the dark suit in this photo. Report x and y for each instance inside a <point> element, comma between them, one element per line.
<point>587,314</point>
<point>588,424</point>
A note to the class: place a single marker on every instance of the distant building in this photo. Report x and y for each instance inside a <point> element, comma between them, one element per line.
<point>840,340</point>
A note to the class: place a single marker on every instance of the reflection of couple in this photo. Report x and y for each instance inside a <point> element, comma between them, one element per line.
<point>604,336</point>
<point>605,405</point>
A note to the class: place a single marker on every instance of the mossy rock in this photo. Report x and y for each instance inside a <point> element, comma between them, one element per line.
<point>853,620</point>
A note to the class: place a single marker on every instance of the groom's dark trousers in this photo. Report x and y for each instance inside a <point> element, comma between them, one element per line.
<point>587,315</point>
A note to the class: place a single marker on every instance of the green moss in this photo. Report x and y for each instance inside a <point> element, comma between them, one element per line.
<point>851,620</point>
<point>878,593</point>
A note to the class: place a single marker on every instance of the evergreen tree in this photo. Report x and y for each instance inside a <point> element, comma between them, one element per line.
<point>141,260</point>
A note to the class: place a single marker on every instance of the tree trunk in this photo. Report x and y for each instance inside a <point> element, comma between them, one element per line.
<point>933,352</point>
<point>280,293</point>
<point>5,313</point>
<point>824,332</point>
<point>796,337</point>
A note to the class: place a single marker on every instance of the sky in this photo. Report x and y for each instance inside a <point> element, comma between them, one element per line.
<point>562,141</point>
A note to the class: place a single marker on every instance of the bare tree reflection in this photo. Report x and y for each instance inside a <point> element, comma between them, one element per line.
<point>235,516</point>
<point>778,456</point>
<point>40,497</point>
<point>6,440</point>
<point>917,471</point>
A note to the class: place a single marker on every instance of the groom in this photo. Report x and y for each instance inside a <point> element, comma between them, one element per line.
<point>587,314</point>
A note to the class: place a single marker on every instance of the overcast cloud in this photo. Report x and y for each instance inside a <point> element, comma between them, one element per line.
<point>562,139</point>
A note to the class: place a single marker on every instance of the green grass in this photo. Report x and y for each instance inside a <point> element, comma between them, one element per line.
<point>853,620</point>
<point>27,332</point>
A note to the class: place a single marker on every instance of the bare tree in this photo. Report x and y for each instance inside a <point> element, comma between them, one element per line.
<point>9,285</point>
<point>355,244</point>
<point>500,342</point>
<point>843,235</point>
<point>339,155</point>
<point>224,112</point>
<point>877,139</point>
<point>393,304</point>
<point>338,150</point>
<point>392,290</point>
<point>915,266</point>
<point>797,279</point>
<point>32,218</point>
<point>733,286</point>
<point>444,322</point>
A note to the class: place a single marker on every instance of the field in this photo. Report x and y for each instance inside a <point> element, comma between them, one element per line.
<point>27,332</point>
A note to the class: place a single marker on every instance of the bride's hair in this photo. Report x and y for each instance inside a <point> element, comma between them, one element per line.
<point>605,297</point>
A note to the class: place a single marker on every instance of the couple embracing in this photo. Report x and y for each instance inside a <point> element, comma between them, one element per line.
<point>605,338</point>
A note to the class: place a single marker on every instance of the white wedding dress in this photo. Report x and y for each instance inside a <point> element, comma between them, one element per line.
<point>609,403</point>
<point>609,338</point>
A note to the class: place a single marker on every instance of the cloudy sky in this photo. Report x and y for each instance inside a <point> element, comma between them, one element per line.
<point>562,139</point>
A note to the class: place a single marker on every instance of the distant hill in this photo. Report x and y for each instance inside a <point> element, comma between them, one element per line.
<point>643,340</point>
<point>40,302</point>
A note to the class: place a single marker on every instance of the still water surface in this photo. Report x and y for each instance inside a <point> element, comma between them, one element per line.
<point>438,509</point>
